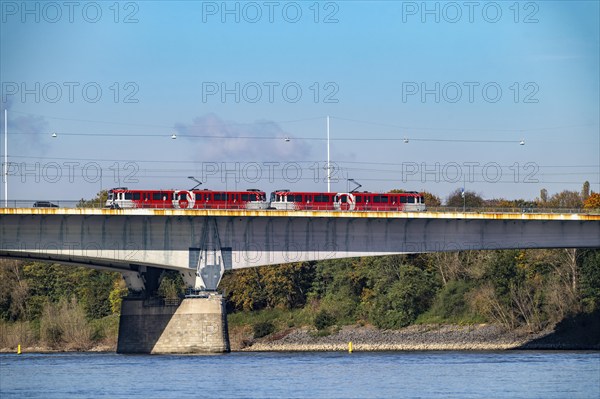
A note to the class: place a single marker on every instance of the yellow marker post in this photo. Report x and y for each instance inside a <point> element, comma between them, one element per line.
<point>350,347</point>
<point>19,349</point>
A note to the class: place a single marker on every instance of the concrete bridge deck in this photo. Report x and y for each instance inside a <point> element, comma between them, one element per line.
<point>483,215</point>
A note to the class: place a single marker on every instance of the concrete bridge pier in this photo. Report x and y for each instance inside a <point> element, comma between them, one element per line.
<point>196,325</point>
<point>150,324</point>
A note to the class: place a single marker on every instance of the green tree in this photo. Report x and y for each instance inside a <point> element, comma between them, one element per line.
<point>405,299</point>
<point>97,202</point>
<point>590,280</point>
<point>115,297</point>
<point>451,301</point>
<point>14,291</point>
<point>585,190</point>
<point>543,196</point>
<point>171,285</point>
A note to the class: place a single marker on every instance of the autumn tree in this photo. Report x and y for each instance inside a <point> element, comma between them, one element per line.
<point>592,202</point>
<point>470,200</point>
<point>565,199</point>
<point>277,286</point>
<point>431,200</point>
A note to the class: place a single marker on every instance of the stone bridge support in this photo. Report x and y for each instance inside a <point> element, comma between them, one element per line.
<point>194,325</point>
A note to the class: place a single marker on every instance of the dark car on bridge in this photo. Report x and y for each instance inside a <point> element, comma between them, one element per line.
<point>44,204</point>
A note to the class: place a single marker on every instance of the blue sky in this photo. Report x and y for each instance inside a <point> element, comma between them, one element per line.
<point>463,83</point>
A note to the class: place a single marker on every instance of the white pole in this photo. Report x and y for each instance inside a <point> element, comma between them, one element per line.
<point>5,158</point>
<point>328,164</point>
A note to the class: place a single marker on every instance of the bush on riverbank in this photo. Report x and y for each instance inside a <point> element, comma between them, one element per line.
<point>58,307</point>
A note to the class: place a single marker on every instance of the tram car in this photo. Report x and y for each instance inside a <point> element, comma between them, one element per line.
<point>186,199</point>
<point>411,201</point>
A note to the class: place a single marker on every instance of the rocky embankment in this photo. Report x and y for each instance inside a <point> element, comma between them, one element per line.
<point>412,338</point>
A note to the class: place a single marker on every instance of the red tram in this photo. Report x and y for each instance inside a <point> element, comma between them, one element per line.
<point>186,199</point>
<point>355,201</point>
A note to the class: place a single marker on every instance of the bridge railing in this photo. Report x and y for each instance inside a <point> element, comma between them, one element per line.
<point>49,204</point>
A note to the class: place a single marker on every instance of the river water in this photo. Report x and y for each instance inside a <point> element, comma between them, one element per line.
<point>508,374</point>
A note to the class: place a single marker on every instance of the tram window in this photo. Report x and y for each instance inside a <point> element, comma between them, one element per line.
<point>245,197</point>
<point>128,196</point>
<point>156,196</point>
<point>358,199</point>
<point>298,198</point>
<point>136,196</point>
<point>403,200</point>
<point>377,199</point>
<point>344,199</point>
<point>411,200</point>
<point>217,197</point>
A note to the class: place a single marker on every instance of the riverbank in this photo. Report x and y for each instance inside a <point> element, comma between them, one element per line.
<point>412,338</point>
<point>44,349</point>
<point>571,334</point>
<point>478,337</point>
